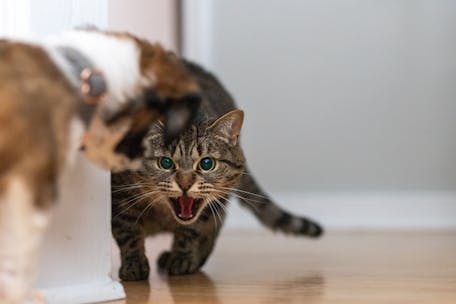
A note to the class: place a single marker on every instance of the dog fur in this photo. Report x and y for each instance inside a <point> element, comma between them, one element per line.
<point>42,121</point>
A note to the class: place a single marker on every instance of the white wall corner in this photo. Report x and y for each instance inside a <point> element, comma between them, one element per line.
<point>197,31</point>
<point>75,263</point>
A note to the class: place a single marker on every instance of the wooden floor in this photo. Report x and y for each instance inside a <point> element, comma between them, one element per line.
<point>341,268</point>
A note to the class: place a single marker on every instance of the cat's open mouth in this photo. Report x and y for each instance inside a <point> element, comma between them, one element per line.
<point>186,207</point>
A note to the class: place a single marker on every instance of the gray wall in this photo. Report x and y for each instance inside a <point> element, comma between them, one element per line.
<point>353,95</point>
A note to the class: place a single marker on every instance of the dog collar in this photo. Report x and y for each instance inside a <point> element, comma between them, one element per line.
<point>92,83</point>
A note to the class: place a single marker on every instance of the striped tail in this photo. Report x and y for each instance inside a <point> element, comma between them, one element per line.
<point>270,214</point>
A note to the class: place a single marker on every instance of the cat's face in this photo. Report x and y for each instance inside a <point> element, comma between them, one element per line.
<point>197,169</point>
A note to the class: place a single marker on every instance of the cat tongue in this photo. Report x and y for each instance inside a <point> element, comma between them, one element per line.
<point>186,204</point>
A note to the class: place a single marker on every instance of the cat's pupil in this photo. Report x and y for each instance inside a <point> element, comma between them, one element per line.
<point>207,164</point>
<point>166,163</point>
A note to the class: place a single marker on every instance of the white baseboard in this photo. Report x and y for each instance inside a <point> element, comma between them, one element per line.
<point>363,211</point>
<point>85,293</point>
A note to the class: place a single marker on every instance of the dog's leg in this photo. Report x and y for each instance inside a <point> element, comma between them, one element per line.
<point>21,228</point>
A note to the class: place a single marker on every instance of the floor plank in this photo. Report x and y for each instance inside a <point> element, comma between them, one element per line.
<point>383,267</point>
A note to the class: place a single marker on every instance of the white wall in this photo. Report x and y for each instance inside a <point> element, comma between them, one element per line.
<point>343,99</point>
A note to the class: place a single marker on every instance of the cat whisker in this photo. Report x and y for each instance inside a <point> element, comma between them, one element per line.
<point>241,197</point>
<point>245,173</point>
<point>144,211</point>
<point>250,204</point>
<point>126,209</point>
<point>225,200</point>
<point>253,201</point>
<point>213,214</point>
<point>225,210</point>
<point>248,201</point>
<point>216,210</point>
<point>130,205</point>
<point>133,202</point>
<point>130,186</point>
<point>244,192</point>
<point>138,195</point>
<point>224,206</point>
<point>125,189</point>
<point>131,199</point>
<point>220,204</point>
<point>209,203</point>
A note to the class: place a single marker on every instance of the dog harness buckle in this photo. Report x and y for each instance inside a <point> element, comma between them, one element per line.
<point>93,86</point>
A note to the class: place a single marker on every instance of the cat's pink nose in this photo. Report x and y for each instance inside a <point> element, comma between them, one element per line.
<point>185,186</point>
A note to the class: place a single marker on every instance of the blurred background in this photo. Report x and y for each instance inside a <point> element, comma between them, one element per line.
<point>350,105</point>
<point>350,111</point>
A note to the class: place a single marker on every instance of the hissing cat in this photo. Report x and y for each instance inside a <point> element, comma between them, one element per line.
<point>184,188</point>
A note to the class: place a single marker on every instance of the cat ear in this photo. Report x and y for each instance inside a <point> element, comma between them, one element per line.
<point>228,127</point>
<point>157,128</point>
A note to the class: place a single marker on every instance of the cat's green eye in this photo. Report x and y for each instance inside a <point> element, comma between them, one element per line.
<point>165,163</point>
<point>207,164</point>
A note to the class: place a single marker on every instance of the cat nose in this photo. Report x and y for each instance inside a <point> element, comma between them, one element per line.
<point>185,180</point>
<point>185,186</point>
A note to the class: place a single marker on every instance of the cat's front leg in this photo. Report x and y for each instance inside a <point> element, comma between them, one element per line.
<point>189,252</point>
<point>130,239</point>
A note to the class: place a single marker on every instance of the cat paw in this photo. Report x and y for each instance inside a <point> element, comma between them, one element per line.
<point>135,269</point>
<point>177,263</point>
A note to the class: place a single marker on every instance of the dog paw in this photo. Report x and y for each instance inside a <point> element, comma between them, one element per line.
<point>177,263</point>
<point>37,298</point>
<point>135,269</point>
<point>13,288</point>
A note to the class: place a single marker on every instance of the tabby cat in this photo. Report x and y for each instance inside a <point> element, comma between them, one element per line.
<point>184,188</point>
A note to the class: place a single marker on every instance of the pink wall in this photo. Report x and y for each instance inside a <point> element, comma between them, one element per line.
<point>155,20</point>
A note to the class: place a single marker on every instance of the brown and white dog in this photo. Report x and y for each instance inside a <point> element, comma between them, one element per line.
<point>83,89</point>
